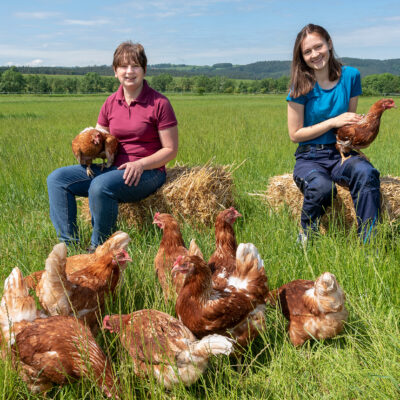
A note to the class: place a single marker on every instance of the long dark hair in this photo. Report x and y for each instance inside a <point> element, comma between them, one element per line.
<point>302,77</point>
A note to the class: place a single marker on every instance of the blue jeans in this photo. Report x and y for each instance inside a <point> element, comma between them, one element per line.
<point>105,191</point>
<point>314,174</point>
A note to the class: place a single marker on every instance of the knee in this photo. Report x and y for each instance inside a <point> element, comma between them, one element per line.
<point>55,178</point>
<point>319,189</point>
<point>96,189</point>
<point>365,176</point>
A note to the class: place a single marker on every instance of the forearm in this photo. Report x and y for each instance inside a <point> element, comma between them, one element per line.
<point>311,132</point>
<point>158,159</point>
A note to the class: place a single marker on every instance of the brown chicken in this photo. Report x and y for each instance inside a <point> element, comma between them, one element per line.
<point>81,293</point>
<point>236,310</point>
<point>119,240</point>
<point>223,260</point>
<point>171,246</point>
<point>48,350</point>
<point>57,350</point>
<point>94,143</point>
<point>361,134</point>
<point>314,309</point>
<point>162,346</point>
<point>16,304</point>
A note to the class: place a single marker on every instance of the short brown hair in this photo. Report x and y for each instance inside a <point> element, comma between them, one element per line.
<point>302,78</point>
<point>131,53</point>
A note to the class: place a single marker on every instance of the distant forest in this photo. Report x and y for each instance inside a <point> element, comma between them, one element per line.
<point>378,78</point>
<point>257,70</point>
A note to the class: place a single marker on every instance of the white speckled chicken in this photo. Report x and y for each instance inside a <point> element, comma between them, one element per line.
<point>162,346</point>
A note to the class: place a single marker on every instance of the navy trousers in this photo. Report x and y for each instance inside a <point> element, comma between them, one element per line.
<point>316,171</point>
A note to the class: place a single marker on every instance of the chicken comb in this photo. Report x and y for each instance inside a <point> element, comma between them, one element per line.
<point>178,261</point>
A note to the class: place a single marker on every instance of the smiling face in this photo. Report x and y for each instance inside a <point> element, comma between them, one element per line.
<point>316,51</point>
<point>130,76</point>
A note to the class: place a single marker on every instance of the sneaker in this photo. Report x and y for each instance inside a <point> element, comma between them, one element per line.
<point>302,239</point>
<point>91,249</point>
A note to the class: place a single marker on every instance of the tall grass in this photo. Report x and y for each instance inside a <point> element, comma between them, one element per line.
<point>250,131</point>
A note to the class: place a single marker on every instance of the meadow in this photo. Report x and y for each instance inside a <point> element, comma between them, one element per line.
<point>248,131</point>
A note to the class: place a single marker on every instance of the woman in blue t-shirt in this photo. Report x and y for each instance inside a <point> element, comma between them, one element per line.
<point>323,97</point>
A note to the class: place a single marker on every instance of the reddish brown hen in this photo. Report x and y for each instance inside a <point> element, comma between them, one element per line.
<point>361,134</point>
<point>94,143</point>
<point>223,260</point>
<point>236,310</point>
<point>162,346</point>
<point>83,292</point>
<point>48,350</point>
<point>119,240</point>
<point>314,309</point>
<point>171,246</point>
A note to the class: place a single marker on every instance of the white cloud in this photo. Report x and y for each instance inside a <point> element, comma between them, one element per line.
<point>35,63</point>
<point>37,14</point>
<point>93,22</point>
<point>48,57</point>
<point>384,35</point>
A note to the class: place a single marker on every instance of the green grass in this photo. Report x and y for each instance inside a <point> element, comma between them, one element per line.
<point>363,363</point>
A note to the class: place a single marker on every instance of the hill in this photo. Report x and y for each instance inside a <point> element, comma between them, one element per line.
<point>257,70</point>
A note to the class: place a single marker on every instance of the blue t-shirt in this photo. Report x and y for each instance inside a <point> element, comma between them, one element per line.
<point>320,104</point>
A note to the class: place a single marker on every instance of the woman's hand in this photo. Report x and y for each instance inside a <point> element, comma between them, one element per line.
<point>346,118</point>
<point>133,172</point>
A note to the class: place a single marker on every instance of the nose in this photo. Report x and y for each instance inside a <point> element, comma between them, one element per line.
<point>129,68</point>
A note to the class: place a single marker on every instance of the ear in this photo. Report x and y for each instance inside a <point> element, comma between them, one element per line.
<point>115,72</point>
<point>330,45</point>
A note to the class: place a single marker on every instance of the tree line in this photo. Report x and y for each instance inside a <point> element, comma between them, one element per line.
<point>13,81</point>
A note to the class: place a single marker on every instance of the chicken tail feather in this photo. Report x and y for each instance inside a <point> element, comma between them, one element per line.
<point>213,344</point>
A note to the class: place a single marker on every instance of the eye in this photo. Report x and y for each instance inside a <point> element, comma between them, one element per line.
<point>306,52</point>
<point>317,47</point>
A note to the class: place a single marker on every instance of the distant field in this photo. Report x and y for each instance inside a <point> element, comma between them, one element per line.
<point>363,363</point>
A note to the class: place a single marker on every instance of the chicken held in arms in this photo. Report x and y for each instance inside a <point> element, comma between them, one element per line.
<point>171,246</point>
<point>94,143</point>
<point>314,309</point>
<point>162,346</point>
<point>236,310</point>
<point>223,261</point>
<point>361,134</point>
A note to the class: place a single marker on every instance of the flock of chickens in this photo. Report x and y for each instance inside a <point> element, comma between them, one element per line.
<point>220,305</point>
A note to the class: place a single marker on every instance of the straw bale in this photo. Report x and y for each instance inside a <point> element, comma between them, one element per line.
<point>282,192</point>
<point>193,194</point>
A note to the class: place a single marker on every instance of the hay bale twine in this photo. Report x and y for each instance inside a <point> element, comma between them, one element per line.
<point>282,192</point>
<point>193,194</point>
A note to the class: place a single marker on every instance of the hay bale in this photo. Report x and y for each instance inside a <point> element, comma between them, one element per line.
<point>283,192</point>
<point>193,194</point>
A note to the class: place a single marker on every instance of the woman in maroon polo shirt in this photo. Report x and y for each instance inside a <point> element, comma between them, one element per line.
<point>144,122</point>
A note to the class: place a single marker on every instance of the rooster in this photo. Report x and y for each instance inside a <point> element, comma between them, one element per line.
<point>223,260</point>
<point>314,309</point>
<point>171,246</point>
<point>94,143</point>
<point>162,346</point>
<point>361,134</point>
<point>48,350</point>
<point>236,310</point>
<point>81,293</point>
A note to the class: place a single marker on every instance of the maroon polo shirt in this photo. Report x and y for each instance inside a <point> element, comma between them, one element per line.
<point>137,125</point>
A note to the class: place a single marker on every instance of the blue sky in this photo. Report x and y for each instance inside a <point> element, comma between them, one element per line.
<point>201,32</point>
